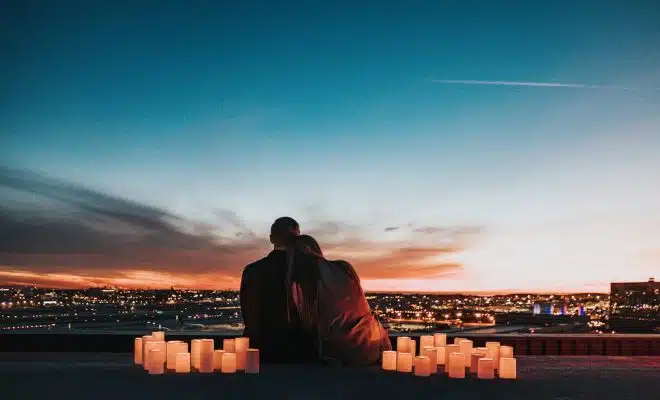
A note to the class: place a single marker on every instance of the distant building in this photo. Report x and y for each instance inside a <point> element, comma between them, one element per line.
<point>635,306</point>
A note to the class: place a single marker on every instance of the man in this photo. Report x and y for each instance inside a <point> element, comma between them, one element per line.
<point>264,298</point>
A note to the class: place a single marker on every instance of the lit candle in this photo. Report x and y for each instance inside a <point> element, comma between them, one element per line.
<point>432,353</point>
<point>425,341</point>
<point>481,350</point>
<point>458,340</point>
<point>157,366</point>
<point>252,361</point>
<point>457,365</point>
<point>506,351</point>
<point>145,354</point>
<point>507,368</point>
<point>217,359</point>
<point>182,363</point>
<point>240,348</point>
<point>389,360</point>
<point>229,345</point>
<point>474,362</point>
<point>145,339</point>
<point>206,356</point>
<point>194,352</point>
<point>486,368</point>
<point>440,339</point>
<point>449,349</point>
<point>494,352</point>
<point>466,348</point>
<point>404,362</point>
<point>172,348</point>
<point>137,351</point>
<point>413,347</point>
<point>441,357</point>
<point>159,336</point>
<point>228,363</point>
<point>403,344</point>
<point>422,364</point>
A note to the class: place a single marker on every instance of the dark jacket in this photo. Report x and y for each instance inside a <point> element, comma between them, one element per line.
<point>263,306</point>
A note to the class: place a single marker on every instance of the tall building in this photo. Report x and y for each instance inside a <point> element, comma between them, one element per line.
<point>635,306</point>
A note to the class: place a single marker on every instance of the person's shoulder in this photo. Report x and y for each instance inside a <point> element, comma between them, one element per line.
<point>261,264</point>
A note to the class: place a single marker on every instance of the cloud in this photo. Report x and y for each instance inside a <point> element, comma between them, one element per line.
<point>532,84</point>
<point>69,235</point>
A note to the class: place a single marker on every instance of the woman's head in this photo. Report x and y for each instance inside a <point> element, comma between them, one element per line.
<point>307,245</point>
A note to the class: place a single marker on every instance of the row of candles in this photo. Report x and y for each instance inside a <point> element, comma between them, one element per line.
<point>454,358</point>
<point>157,355</point>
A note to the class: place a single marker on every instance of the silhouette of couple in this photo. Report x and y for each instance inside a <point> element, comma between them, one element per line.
<point>299,307</point>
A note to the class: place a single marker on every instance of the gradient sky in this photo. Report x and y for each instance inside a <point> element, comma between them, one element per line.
<point>152,143</point>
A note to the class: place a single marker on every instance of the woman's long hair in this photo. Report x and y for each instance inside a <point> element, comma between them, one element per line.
<point>303,255</point>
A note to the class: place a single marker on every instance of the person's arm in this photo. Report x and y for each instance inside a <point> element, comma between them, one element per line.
<point>249,304</point>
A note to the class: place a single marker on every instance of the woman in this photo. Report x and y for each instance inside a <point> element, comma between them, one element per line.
<point>327,300</point>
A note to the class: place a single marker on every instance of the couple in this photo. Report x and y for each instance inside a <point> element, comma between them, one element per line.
<point>298,306</point>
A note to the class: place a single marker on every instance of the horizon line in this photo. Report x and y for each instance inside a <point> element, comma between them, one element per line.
<point>534,84</point>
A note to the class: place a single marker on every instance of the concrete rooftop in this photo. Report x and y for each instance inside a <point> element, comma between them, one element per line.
<point>113,376</point>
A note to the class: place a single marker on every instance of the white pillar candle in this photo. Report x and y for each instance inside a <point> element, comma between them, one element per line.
<point>172,349</point>
<point>413,347</point>
<point>182,363</point>
<point>403,344</point>
<point>182,347</point>
<point>425,341</point>
<point>206,356</point>
<point>389,360</point>
<point>432,353</point>
<point>450,348</point>
<point>441,357</point>
<point>228,363</point>
<point>252,361</point>
<point>466,348</point>
<point>159,336</point>
<point>145,339</point>
<point>404,362</point>
<point>474,362</point>
<point>456,365</point>
<point>217,359</point>
<point>229,345</point>
<point>481,350</point>
<point>240,348</point>
<point>458,340</point>
<point>156,366</point>
<point>486,368</point>
<point>422,365</point>
<point>507,368</point>
<point>440,339</point>
<point>506,351</point>
<point>494,352</point>
<point>145,354</point>
<point>194,352</point>
<point>137,351</point>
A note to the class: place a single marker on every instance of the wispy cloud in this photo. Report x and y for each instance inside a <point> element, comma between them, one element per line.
<point>532,84</point>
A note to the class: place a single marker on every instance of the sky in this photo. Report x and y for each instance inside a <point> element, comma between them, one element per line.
<point>468,146</point>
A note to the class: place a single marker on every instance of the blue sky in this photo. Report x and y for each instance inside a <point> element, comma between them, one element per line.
<point>331,113</point>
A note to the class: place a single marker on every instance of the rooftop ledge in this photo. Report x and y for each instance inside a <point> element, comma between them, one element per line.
<point>113,376</point>
<point>524,344</point>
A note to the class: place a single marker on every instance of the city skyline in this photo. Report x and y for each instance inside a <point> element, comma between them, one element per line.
<point>500,148</point>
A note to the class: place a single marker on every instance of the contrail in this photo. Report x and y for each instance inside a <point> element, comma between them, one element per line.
<point>534,84</point>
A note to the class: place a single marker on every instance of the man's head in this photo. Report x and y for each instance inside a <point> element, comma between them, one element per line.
<point>283,230</point>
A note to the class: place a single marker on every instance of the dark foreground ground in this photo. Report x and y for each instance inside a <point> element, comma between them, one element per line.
<point>113,376</point>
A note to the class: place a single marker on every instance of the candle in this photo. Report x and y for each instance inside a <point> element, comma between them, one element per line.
<point>182,363</point>
<point>229,345</point>
<point>440,339</point>
<point>422,364</point>
<point>494,352</point>
<point>457,365</point>
<point>426,341</point>
<point>451,348</point>
<point>506,351</point>
<point>458,340</point>
<point>159,336</point>
<point>228,363</point>
<point>466,348</point>
<point>413,347</point>
<point>441,355</point>
<point>206,356</point>
<point>486,368</point>
<point>217,359</point>
<point>507,368</point>
<point>389,360</point>
<point>194,352</point>
<point>252,361</point>
<point>172,349</point>
<point>145,339</point>
<point>156,357</point>
<point>137,351</point>
<point>404,362</point>
<point>481,350</point>
<point>403,344</point>
<point>240,348</point>
<point>432,353</point>
<point>474,362</point>
<point>145,354</point>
